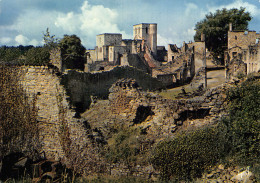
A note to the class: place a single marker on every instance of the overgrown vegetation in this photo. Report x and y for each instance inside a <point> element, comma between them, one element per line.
<point>18,122</point>
<point>189,154</point>
<point>72,52</point>
<point>123,147</point>
<point>234,140</point>
<point>243,123</point>
<point>29,55</point>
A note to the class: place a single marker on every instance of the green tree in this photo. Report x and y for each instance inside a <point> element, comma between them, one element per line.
<point>216,25</point>
<point>49,40</point>
<point>37,56</point>
<point>72,52</point>
<point>11,55</point>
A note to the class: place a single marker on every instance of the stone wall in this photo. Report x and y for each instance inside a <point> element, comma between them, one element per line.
<point>105,40</point>
<point>80,86</point>
<point>42,82</point>
<point>63,136</point>
<point>91,56</point>
<point>235,68</point>
<point>161,117</point>
<point>242,39</point>
<point>199,55</point>
<point>253,58</point>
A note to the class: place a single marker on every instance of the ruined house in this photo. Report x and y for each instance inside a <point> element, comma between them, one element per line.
<point>242,55</point>
<point>183,63</point>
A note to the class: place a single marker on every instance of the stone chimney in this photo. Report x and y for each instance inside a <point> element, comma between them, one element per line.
<point>202,37</point>
<point>230,27</point>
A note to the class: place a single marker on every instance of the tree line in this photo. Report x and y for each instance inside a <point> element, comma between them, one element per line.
<point>72,52</point>
<point>24,55</point>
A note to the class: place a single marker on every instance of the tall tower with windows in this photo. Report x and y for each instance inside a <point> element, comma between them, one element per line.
<point>148,33</point>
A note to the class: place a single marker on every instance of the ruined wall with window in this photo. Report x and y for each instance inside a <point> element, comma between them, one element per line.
<point>242,39</point>
<point>173,52</point>
<point>91,56</point>
<point>103,41</point>
<point>253,59</point>
<point>242,46</point>
<point>115,52</point>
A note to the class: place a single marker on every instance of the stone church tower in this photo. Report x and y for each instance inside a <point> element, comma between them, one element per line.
<point>148,33</point>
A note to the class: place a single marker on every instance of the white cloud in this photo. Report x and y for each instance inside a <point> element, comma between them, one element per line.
<point>190,8</point>
<point>86,23</point>
<point>21,40</point>
<point>183,27</point>
<point>34,42</point>
<point>34,22</point>
<point>5,40</point>
<point>163,41</point>
<point>254,10</point>
<point>89,22</point>
<point>175,24</point>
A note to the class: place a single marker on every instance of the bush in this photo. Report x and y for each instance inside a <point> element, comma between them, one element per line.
<point>243,123</point>
<point>187,155</point>
<point>123,147</point>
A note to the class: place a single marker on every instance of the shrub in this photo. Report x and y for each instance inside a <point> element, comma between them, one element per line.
<point>187,155</point>
<point>243,123</point>
<point>123,147</point>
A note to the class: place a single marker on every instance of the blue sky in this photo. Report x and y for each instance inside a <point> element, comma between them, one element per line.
<point>23,22</point>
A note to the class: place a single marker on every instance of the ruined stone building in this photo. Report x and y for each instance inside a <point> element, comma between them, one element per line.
<point>111,49</point>
<point>182,63</point>
<point>143,53</point>
<point>242,55</point>
<point>177,65</point>
<point>193,50</point>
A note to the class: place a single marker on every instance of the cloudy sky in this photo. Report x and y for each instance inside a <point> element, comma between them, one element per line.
<point>23,22</point>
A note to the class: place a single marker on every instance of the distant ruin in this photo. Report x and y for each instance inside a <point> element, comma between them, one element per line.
<point>242,55</point>
<point>175,66</point>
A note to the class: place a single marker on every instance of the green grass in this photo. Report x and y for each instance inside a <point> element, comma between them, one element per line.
<point>173,93</point>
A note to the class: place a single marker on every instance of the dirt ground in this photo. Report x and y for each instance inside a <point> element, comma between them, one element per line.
<point>214,78</point>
